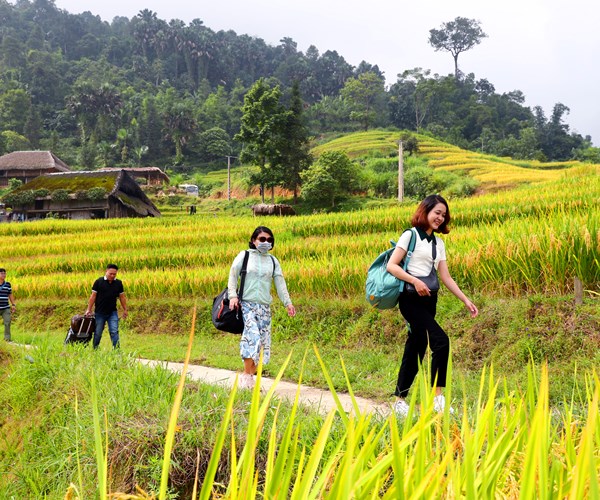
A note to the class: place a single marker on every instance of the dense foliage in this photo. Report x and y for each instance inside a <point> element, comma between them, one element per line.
<point>147,91</point>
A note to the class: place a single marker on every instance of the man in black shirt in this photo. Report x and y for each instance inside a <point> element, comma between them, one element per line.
<point>105,292</point>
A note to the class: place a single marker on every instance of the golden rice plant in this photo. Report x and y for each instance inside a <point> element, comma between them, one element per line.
<point>534,239</point>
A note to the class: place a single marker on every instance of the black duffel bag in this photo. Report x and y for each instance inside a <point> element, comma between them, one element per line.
<point>224,318</point>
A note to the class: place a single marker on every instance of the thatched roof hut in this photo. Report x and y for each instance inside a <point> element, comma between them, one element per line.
<point>82,195</point>
<point>27,165</point>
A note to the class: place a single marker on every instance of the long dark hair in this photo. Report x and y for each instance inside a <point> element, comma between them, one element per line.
<point>257,231</point>
<point>419,218</point>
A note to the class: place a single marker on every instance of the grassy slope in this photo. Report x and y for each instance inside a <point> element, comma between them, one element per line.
<point>493,172</point>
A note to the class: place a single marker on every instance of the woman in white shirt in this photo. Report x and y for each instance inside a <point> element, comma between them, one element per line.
<point>262,269</point>
<point>418,305</point>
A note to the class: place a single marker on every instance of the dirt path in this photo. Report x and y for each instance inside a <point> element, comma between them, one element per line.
<point>319,400</point>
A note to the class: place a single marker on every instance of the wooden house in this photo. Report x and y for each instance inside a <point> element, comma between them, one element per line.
<point>27,165</point>
<point>81,195</point>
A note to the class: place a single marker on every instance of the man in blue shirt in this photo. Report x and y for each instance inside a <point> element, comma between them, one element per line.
<point>7,303</point>
<point>105,292</point>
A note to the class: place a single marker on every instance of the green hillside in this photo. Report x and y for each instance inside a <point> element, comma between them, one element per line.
<point>492,171</point>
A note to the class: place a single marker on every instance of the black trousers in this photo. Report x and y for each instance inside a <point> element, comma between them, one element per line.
<point>424,330</point>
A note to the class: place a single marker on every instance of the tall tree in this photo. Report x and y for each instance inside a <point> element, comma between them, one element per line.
<point>364,94</point>
<point>456,37</point>
<point>294,155</point>
<point>554,137</point>
<point>15,106</point>
<point>145,27</point>
<point>261,130</point>
<point>92,106</point>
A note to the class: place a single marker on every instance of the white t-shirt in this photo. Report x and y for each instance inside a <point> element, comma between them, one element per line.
<point>420,262</point>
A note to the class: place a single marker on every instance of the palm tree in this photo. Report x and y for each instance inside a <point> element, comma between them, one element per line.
<point>146,25</point>
<point>180,124</point>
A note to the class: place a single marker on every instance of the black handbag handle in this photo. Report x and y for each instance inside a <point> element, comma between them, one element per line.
<point>243,276</point>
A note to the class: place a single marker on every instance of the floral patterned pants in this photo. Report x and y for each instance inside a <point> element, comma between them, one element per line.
<point>257,332</point>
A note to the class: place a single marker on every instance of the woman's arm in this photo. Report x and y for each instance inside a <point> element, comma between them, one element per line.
<point>281,287</point>
<point>454,288</point>
<point>234,274</point>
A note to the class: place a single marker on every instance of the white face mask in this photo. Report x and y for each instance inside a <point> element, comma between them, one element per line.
<point>264,246</point>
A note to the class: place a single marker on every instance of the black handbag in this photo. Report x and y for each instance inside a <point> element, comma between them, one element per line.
<point>431,280</point>
<point>224,318</point>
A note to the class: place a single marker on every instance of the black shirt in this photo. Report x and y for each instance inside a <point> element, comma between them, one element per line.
<point>106,294</point>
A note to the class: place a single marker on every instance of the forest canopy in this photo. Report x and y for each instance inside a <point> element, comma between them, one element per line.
<point>150,91</point>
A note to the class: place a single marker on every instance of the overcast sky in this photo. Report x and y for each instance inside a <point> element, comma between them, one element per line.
<point>547,49</point>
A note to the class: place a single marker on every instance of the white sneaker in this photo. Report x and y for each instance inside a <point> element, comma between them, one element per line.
<point>401,408</point>
<point>246,381</point>
<point>439,404</point>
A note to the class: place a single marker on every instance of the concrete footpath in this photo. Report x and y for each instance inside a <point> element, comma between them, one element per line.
<point>319,400</point>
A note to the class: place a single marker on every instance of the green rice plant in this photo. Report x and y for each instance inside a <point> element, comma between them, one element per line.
<point>502,442</point>
<point>101,457</point>
<point>164,480</point>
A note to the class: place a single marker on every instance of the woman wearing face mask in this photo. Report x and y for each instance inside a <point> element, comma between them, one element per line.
<point>262,268</point>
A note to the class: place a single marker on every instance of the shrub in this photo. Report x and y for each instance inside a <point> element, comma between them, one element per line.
<point>19,199</point>
<point>41,193</point>
<point>60,195</point>
<point>461,187</point>
<point>318,185</point>
<point>410,144</point>
<point>27,197</point>
<point>10,199</point>
<point>381,165</point>
<point>175,200</point>
<point>385,185</point>
<point>14,184</point>
<point>418,182</point>
<point>96,193</point>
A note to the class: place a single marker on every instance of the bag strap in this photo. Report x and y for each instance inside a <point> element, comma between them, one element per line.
<point>409,252</point>
<point>411,247</point>
<point>243,275</point>
<point>273,260</point>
